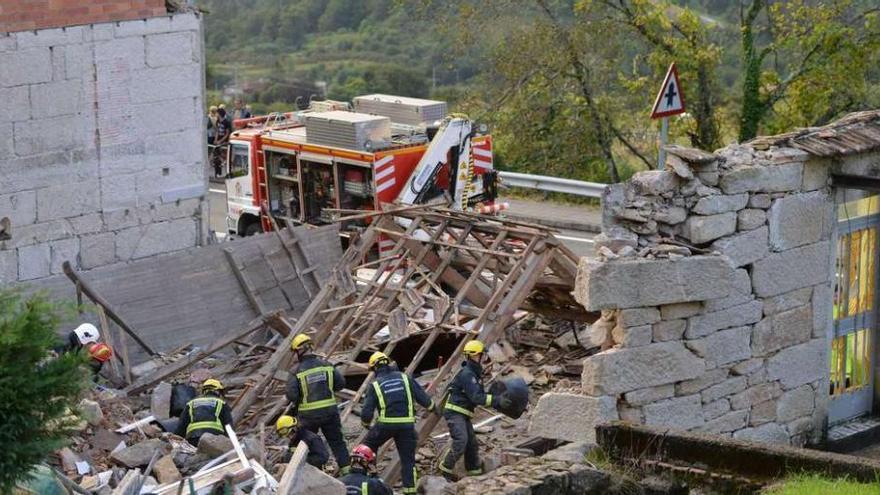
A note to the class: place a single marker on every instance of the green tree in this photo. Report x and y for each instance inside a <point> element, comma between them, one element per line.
<point>804,63</point>
<point>680,36</point>
<point>36,392</point>
<point>562,99</point>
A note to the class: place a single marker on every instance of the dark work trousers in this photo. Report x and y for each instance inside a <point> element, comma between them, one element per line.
<point>405,439</point>
<point>464,441</point>
<point>331,427</point>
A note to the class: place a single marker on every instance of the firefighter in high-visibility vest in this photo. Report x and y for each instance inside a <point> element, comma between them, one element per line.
<point>207,413</point>
<point>395,394</point>
<point>362,480</point>
<point>288,427</point>
<point>466,392</point>
<point>311,391</point>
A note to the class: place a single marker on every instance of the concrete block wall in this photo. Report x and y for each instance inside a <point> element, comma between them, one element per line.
<point>714,284</point>
<point>101,143</point>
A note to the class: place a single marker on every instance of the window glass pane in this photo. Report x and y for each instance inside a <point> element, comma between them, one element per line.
<point>855,273</point>
<point>858,208</point>
<point>850,364</point>
<point>238,160</point>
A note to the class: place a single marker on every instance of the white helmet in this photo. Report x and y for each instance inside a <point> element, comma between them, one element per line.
<point>86,333</point>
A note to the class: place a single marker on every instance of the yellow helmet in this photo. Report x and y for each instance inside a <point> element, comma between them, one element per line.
<point>284,424</point>
<point>211,384</point>
<point>377,358</point>
<point>299,341</point>
<point>474,347</point>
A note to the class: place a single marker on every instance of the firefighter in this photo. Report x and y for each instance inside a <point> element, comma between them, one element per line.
<point>288,427</point>
<point>207,413</point>
<point>466,392</point>
<point>311,391</point>
<point>362,479</point>
<point>99,354</point>
<point>80,337</point>
<point>395,394</point>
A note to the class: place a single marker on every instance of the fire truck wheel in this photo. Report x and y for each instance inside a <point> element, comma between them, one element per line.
<point>253,228</point>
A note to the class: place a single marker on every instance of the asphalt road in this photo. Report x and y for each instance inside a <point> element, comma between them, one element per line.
<point>578,241</point>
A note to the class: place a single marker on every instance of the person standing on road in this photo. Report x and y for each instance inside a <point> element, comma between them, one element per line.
<point>211,121</point>
<point>221,138</point>
<point>466,392</point>
<point>240,111</point>
<point>311,391</point>
<point>394,394</point>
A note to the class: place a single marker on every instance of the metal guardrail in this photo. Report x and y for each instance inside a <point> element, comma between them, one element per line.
<point>553,184</point>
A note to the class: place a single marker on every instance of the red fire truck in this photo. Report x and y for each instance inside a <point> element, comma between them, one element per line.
<point>306,166</point>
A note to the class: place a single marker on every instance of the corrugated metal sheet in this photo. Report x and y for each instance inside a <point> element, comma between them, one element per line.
<point>193,297</point>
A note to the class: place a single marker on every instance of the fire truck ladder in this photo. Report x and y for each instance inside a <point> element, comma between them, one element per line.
<point>266,219</point>
<point>272,120</point>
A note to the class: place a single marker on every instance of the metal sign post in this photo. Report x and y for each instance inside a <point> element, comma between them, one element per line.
<point>669,101</point>
<point>664,138</point>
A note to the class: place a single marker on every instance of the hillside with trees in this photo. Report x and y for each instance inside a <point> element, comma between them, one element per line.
<point>565,85</point>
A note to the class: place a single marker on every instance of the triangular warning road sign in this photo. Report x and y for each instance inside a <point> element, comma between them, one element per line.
<point>670,99</point>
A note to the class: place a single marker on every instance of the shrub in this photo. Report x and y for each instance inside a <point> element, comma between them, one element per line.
<point>37,391</point>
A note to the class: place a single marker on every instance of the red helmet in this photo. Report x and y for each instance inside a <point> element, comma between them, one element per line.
<point>364,454</point>
<point>100,352</point>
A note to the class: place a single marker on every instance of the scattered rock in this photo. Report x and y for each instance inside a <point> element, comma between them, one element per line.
<point>90,411</point>
<point>138,454</point>
<point>105,439</point>
<point>165,470</point>
<point>128,483</point>
<point>626,251</point>
<point>433,485</point>
<point>252,448</point>
<point>574,453</point>
<point>524,373</point>
<point>199,375</point>
<point>145,368</point>
<point>214,445</point>
<point>160,401</point>
<point>68,460</point>
<point>312,481</point>
<point>616,238</point>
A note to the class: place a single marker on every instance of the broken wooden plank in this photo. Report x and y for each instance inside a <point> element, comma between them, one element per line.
<point>107,336</point>
<point>136,425</point>
<point>249,292</point>
<point>184,363</point>
<point>99,300</point>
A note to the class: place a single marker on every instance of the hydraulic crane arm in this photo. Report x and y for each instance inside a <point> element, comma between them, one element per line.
<point>454,136</point>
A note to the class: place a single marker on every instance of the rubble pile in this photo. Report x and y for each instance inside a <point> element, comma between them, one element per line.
<point>712,282</point>
<point>451,276</point>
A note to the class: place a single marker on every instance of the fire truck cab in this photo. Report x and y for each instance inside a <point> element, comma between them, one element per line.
<point>309,166</point>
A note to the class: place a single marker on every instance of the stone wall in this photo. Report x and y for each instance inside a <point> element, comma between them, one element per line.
<point>714,284</point>
<point>102,143</point>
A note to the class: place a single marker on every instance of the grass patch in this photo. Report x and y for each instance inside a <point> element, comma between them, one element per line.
<point>814,484</point>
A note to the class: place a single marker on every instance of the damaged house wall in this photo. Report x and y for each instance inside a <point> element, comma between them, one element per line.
<point>714,281</point>
<point>102,142</point>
